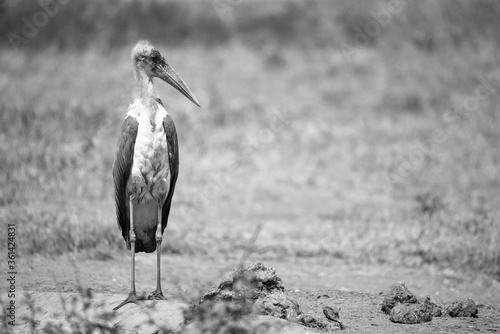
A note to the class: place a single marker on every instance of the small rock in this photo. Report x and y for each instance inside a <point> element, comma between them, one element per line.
<point>311,321</point>
<point>398,294</point>
<point>306,319</point>
<point>412,313</point>
<point>461,308</point>
<point>332,314</point>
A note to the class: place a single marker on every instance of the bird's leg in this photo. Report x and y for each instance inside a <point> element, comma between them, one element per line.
<point>132,296</point>
<point>158,294</point>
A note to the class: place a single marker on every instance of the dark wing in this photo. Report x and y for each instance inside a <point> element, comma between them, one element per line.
<point>121,172</point>
<point>173,160</point>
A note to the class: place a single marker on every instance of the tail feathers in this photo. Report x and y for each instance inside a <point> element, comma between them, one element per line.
<point>145,225</point>
<point>148,245</point>
<point>145,243</point>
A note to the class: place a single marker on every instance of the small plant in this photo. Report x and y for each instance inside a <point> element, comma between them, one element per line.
<point>80,316</point>
<point>429,204</point>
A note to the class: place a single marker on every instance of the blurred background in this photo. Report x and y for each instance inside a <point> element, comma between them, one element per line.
<point>361,132</point>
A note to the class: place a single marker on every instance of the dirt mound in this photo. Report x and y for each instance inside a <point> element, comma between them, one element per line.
<point>254,281</point>
<point>278,305</point>
<point>238,301</point>
<point>461,308</point>
<point>255,289</point>
<point>437,308</point>
<point>242,288</point>
<point>412,313</point>
<point>404,307</point>
<point>398,294</point>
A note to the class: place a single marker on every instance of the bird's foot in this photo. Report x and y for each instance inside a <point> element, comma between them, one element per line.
<point>156,295</point>
<point>132,298</point>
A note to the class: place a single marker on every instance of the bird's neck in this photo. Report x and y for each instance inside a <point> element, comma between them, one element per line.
<point>147,92</point>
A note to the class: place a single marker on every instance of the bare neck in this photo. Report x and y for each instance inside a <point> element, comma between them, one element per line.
<point>147,92</point>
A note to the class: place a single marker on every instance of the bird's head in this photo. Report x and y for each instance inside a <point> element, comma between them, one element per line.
<point>147,59</point>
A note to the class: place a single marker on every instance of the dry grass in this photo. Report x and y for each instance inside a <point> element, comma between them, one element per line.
<point>319,183</point>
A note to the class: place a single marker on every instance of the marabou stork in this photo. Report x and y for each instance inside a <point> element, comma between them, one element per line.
<point>146,162</point>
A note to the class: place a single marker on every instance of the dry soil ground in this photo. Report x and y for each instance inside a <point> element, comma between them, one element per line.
<point>356,289</point>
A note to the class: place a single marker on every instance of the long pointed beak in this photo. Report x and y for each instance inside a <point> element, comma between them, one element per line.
<point>167,74</point>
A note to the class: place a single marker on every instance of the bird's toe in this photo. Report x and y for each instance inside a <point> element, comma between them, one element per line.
<point>132,298</point>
